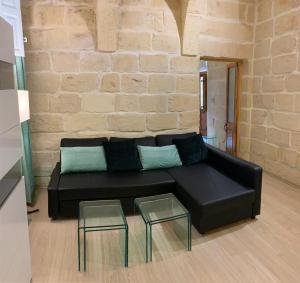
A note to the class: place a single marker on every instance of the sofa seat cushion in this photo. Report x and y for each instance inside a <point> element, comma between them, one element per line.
<point>114,185</point>
<point>208,190</point>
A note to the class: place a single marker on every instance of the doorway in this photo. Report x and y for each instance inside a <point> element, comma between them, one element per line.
<point>219,90</point>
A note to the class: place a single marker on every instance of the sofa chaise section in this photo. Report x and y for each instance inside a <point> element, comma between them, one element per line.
<point>212,198</point>
<point>221,190</point>
<point>248,174</point>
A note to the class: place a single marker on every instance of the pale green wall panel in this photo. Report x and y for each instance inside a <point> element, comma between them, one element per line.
<point>27,156</point>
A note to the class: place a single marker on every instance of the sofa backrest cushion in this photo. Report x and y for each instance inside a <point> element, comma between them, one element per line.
<point>122,156</point>
<point>162,140</point>
<point>75,142</point>
<point>144,141</point>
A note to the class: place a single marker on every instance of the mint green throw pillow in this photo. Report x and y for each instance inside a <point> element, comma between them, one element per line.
<point>158,157</point>
<point>82,159</point>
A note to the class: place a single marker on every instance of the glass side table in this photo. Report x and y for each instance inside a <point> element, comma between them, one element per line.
<point>101,215</point>
<point>159,209</point>
<point>211,140</point>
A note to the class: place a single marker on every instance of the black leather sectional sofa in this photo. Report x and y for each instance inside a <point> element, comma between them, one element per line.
<point>219,191</point>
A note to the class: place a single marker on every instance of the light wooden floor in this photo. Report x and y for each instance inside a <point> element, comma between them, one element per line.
<point>263,250</point>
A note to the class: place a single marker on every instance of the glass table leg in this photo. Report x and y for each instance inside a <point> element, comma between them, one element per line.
<point>126,247</point>
<point>78,247</point>
<point>147,250</point>
<point>189,233</point>
<point>150,242</point>
<point>84,249</point>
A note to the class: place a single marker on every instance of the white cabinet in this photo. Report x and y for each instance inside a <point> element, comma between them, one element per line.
<point>10,150</point>
<point>10,10</point>
<point>14,240</point>
<point>6,42</point>
<point>9,111</point>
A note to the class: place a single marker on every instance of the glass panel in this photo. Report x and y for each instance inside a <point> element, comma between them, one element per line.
<point>231,90</point>
<point>140,228</point>
<point>101,213</point>
<point>160,207</point>
<point>181,228</point>
<point>6,76</point>
<point>211,140</point>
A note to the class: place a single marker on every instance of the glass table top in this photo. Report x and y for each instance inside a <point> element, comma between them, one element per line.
<point>160,208</point>
<point>101,214</point>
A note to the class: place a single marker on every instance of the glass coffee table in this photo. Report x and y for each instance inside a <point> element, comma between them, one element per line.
<point>101,215</point>
<point>159,209</point>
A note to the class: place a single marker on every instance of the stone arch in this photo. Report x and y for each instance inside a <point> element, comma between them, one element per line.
<point>186,14</point>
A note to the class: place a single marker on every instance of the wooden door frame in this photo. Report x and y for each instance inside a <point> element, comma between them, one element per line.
<point>239,63</point>
<point>234,135</point>
<point>203,74</point>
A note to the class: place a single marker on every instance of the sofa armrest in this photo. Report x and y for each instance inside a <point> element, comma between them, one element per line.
<point>53,192</point>
<point>246,173</point>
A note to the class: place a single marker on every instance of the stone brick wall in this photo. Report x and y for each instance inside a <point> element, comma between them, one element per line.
<point>226,30</point>
<point>275,115</point>
<point>144,88</point>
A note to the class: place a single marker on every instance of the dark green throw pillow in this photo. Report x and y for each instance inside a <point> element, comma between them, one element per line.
<point>122,156</point>
<point>191,150</point>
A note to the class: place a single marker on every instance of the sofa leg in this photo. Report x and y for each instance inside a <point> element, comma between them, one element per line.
<point>253,213</point>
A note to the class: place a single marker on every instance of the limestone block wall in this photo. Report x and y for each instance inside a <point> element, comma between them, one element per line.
<point>216,101</point>
<point>226,30</point>
<point>144,88</point>
<point>275,115</point>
